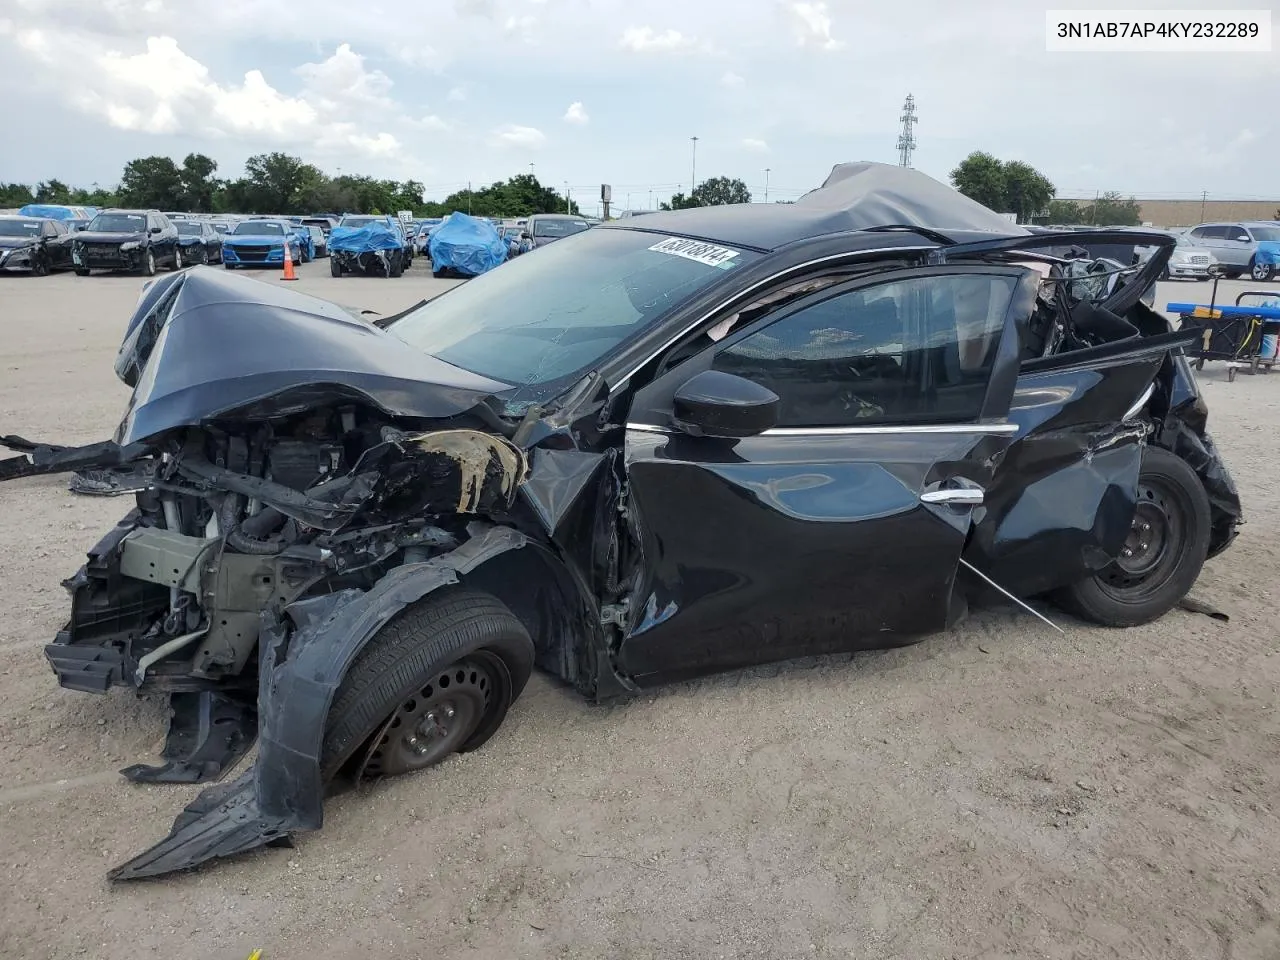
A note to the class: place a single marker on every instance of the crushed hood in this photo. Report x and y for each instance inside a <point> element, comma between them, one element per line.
<point>205,344</point>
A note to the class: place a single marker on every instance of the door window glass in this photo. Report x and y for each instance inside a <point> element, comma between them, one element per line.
<point>914,350</point>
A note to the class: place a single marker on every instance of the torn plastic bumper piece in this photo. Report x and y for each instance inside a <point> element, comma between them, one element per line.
<point>209,733</point>
<point>304,652</point>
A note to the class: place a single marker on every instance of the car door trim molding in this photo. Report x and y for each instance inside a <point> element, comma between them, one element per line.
<point>968,428</point>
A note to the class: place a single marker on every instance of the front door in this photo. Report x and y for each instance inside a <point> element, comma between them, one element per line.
<point>843,526</point>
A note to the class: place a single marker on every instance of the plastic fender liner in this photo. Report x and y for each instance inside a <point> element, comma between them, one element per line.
<point>299,674</point>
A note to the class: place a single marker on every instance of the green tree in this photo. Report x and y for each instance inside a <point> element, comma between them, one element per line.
<point>198,183</point>
<point>1113,210</point>
<point>1065,212</point>
<point>518,197</point>
<point>275,183</point>
<point>1027,191</point>
<point>15,195</point>
<point>151,182</point>
<point>719,191</point>
<point>980,176</point>
<point>52,191</point>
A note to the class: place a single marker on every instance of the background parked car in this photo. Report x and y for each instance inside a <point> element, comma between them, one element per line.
<point>260,243</point>
<point>138,240</point>
<point>401,255</point>
<point>1241,247</point>
<point>423,235</point>
<point>544,228</point>
<point>34,244</point>
<point>319,240</point>
<point>198,241</point>
<point>369,245</point>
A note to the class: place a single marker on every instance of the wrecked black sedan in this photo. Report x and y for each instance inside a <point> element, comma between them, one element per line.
<point>701,440</point>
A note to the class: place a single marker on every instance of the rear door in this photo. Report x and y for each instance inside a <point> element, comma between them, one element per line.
<point>843,526</point>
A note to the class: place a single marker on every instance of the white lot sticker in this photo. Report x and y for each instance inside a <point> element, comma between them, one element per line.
<point>708,253</point>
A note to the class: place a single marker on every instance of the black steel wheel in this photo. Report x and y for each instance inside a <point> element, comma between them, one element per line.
<point>1162,554</point>
<point>436,680</point>
<point>437,720</point>
<point>39,265</point>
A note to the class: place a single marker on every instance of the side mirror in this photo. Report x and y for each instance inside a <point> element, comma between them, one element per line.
<point>717,404</point>
<point>82,226</point>
<point>524,235</point>
<point>155,229</point>
<point>1241,238</point>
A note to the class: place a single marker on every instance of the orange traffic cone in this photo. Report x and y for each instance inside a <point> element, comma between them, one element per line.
<point>289,273</point>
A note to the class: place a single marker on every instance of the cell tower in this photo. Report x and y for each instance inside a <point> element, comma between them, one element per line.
<point>907,139</point>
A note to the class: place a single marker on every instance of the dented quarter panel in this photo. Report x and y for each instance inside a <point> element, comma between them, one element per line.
<point>772,547</point>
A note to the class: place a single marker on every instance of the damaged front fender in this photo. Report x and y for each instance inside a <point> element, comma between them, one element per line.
<point>304,652</point>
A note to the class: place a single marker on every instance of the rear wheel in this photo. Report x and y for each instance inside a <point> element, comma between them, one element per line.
<point>1162,554</point>
<point>436,680</point>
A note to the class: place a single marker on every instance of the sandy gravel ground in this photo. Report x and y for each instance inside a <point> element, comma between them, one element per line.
<point>1001,791</point>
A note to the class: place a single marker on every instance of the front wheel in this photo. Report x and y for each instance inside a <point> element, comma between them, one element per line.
<point>436,680</point>
<point>335,268</point>
<point>82,271</point>
<point>1162,554</point>
<point>1262,272</point>
<point>148,263</point>
<point>177,258</point>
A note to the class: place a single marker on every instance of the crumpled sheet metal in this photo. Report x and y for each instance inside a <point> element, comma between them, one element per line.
<point>300,671</point>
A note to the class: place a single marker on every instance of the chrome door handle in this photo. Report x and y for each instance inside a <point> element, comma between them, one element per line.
<point>961,496</point>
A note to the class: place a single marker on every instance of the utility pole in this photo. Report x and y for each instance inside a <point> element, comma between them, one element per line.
<point>693,170</point>
<point>1204,195</point>
<point>531,170</point>
<point>766,184</point>
<point>650,199</point>
<point>468,198</point>
<point>907,139</point>
<point>568,205</point>
<point>1093,217</point>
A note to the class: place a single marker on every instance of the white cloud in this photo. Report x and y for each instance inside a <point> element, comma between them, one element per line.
<point>434,123</point>
<point>731,79</point>
<point>457,94</point>
<point>576,114</point>
<point>521,26</point>
<point>754,145</point>
<point>648,40</point>
<point>812,25</point>
<point>343,78</point>
<point>514,135</point>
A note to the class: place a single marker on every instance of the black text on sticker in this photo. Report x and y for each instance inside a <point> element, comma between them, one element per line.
<point>708,253</point>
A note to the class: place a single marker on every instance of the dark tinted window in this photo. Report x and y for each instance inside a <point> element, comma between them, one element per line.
<point>187,228</point>
<point>119,223</point>
<point>915,350</point>
<point>1215,233</point>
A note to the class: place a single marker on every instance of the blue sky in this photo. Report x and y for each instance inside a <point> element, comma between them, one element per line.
<point>592,91</point>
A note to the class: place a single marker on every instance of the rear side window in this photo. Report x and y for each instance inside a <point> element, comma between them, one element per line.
<point>919,350</point>
<point>1215,233</point>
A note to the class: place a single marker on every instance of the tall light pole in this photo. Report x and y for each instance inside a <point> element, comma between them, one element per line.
<point>650,199</point>
<point>568,206</point>
<point>531,169</point>
<point>693,170</point>
<point>766,184</point>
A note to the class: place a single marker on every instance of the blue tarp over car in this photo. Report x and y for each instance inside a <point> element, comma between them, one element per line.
<point>57,211</point>
<point>468,245</point>
<point>372,237</point>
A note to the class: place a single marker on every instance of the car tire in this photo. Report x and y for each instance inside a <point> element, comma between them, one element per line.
<point>436,680</point>
<point>39,266</point>
<point>148,263</point>
<point>228,266</point>
<point>82,271</point>
<point>1167,543</point>
<point>395,268</point>
<point>335,268</point>
<point>1261,272</point>
<point>177,259</point>
<point>204,255</point>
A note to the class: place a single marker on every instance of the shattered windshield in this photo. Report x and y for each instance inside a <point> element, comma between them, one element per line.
<point>19,228</point>
<point>258,228</point>
<point>119,223</point>
<point>542,322</point>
